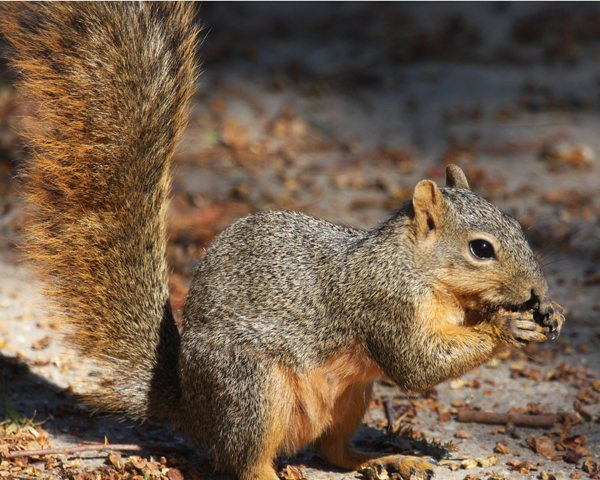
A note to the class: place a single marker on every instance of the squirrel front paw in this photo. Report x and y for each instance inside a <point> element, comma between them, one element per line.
<point>518,328</point>
<point>549,315</point>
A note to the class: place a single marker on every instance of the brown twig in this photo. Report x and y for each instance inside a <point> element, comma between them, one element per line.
<point>467,415</point>
<point>91,448</point>
<point>389,414</point>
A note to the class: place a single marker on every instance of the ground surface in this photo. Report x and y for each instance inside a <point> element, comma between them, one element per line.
<point>338,110</point>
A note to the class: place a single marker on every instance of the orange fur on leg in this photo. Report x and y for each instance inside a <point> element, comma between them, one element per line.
<point>338,449</point>
<point>335,444</point>
<point>331,397</point>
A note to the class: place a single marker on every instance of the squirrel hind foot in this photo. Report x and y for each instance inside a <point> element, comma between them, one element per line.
<point>339,451</point>
<point>408,467</point>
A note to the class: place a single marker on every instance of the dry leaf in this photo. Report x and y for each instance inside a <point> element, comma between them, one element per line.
<point>579,409</point>
<point>573,456</point>
<point>451,464</point>
<point>52,463</point>
<point>590,466</point>
<point>515,464</point>
<point>542,445</point>
<point>501,448</point>
<point>21,461</point>
<point>463,434</point>
<point>116,461</point>
<point>444,415</point>
<point>574,442</point>
<point>291,473</point>
<point>469,463</point>
<point>41,343</point>
<point>175,474</point>
<point>457,384</point>
<point>487,462</point>
<point>138,462</point>
<point>527,466</point>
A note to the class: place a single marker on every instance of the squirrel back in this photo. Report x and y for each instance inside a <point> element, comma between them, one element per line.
<point>110,85</point>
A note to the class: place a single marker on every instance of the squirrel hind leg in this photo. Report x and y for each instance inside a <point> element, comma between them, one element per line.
<point>340,452</point>
<point>337,447</point>
<point>407,466</point>
<point>335,444</point>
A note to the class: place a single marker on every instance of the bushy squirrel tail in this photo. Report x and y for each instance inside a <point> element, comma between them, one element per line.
<point>110,84</point>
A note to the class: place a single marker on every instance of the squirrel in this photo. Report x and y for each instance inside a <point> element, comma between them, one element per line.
<point>289,319</point>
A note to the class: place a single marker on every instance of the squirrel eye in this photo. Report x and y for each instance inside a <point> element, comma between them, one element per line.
<point>482,249</point>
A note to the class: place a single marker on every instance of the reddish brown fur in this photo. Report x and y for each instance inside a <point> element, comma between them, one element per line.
<point>325,404</point>
<point>443,317</point>
<point>313,403</point>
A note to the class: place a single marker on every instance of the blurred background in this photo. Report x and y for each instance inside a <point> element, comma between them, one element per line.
<point>338,109</point>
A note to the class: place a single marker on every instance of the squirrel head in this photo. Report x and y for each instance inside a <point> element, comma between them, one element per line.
<point>471,248</point>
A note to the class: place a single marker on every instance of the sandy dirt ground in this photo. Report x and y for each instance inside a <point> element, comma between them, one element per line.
<point>338,110</point>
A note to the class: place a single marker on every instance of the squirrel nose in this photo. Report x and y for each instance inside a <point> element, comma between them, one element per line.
<point>539,285</point>
<point>534,299</point>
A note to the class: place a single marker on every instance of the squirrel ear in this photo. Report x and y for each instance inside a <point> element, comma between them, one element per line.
<point>429,206</point>
<point>455,177</point>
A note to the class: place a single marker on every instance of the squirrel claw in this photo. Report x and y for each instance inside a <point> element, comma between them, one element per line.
<point>550,315</point>
<point>519,328</point>
<point>428,474</point>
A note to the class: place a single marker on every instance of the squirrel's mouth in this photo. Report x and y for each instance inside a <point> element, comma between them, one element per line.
<point>475,317</point>
<point>529,306</point>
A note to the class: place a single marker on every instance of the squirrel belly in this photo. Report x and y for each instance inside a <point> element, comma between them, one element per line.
<point>289,318</point>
